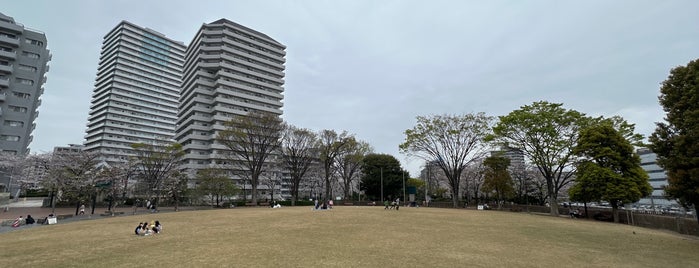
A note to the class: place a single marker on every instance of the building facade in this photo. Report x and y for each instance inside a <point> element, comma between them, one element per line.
<point>657,179</point>
<point>229,70</point>
<point>23,63</point>
<point>136,93</point>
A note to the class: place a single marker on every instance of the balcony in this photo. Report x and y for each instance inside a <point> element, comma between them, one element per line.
<point>9,40</point>
<point>3,96</point>
<point>4,82</point>
<point>8,54</point>
<point>12,27</point>
<point>6,68</point>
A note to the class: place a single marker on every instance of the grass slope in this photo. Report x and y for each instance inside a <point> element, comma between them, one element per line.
<point>347,237</point>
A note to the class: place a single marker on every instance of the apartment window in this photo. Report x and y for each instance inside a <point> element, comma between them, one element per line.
<point>11,123</point>
<point>34,42</point>
<point>27,68</point>
<point>30,55</point>
<point>21,95</point>
<point>18,109</point>
<point>24,81</point>
<point>9,138</point>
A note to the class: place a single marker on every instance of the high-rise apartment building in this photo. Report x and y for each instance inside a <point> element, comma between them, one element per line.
<point>657,177</point>
<point>135,99</point>
<point>23,62</point>
<point>229,70</point>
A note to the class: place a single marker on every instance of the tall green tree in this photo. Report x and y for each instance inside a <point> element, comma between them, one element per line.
<point>451,141</point>
<point>215,184</point>
<point>676,141</point>
<point>546,133</point>
<point>497,178</point>
<point>378,168</point>
<point>610,168</point>
<point>252,139</point>
<point>298,153</point>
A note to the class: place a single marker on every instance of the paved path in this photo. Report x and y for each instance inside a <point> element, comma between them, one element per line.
<point>33,207</point>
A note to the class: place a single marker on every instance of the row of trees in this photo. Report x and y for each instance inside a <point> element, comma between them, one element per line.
<point>551,137</point>
<point>563,144</point>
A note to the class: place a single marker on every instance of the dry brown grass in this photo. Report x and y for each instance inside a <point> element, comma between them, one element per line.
<point>347,237</point>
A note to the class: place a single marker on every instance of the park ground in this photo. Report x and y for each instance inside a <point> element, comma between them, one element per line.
<point>346,236</point>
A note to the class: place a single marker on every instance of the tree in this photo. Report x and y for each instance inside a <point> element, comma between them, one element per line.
<point>156,164</point>
<point>497,179</point>
<point>546,133</point>
<point>73,175</point>
<point>252,139</point>
<point>215,184</point>
<point>676,141</point>
<point>330,146</point>
<point>474,175</point>
<point>175,187</point>
<point>10,167</point>
<point>378,168</point>
<point>349,162</point>
<point>298,153</point>
<point>610,169</point>
<point>453,141</point>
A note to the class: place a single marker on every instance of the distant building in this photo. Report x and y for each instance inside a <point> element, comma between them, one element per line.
<point>23,62</point>
<point>516,156</point>
<point>71,148</point>
<point>135,99</point>
<point>657,178</point>
<point>229,70</point>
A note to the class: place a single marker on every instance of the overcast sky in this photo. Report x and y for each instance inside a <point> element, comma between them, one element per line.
<point>371,67</point>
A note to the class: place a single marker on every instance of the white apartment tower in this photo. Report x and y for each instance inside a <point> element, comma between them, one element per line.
<point>657,177</point>
<point>135,99</point>
<point>23,62</point>
<point>229,70</point>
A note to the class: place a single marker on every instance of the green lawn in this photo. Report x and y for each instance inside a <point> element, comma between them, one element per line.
<point>347,237</point>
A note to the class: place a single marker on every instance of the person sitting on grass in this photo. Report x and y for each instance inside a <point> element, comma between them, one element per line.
<point>139,229</point>
<point>157,228</point>
<point>30,220</point>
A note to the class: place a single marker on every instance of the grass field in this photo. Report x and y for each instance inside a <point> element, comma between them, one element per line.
<point>347,237</point>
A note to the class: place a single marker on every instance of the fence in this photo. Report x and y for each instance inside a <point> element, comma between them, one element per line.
<point>682,224</point>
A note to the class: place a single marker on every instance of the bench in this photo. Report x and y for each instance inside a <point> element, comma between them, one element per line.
<point>265,204</point>
<point>348,204</point>
<point>250,204</point>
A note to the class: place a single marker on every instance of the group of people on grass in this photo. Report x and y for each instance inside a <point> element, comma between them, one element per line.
<point>391,205</point>
<point>323,205</point>
<point>19,221</point>
<point>144,228</point>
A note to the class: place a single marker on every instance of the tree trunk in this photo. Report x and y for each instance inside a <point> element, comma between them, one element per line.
<point>696,210</point>
<point>94,203</point>
<point>615,213</point>
<point>554,206</point>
